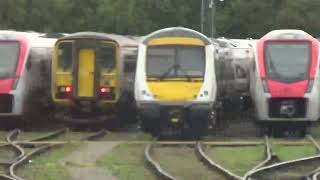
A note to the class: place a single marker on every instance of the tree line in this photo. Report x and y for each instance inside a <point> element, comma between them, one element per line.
<point>233,18</point>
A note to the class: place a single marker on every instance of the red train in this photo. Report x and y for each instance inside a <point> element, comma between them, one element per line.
<point>24,71</point>
<point>284,80</point>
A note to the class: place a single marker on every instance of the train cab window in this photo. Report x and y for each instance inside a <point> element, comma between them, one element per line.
<point>287,62</point>
<point>191,60</point>
<point>65,55</point>
<point>9,57</point>
<point>160,61</point>
<point>175,62</point>
<point>106,56</point>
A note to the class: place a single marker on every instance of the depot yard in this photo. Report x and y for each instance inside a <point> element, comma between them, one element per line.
<point>126,160</point>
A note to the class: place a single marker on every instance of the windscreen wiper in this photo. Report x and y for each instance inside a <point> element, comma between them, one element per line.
<point>185,73</point>
<point>165,74</point>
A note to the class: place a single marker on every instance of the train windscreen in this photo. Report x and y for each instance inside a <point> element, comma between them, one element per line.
<point>9,54</point>
<point>175,62</point>
<point>287,61</point>
<point>106,55</point>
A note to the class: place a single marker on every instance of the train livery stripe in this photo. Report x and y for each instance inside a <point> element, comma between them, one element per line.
<point>175,91</point>
<point>86,73</point>
<point>176,41</point>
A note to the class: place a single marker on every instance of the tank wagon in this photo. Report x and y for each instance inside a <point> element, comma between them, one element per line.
<point>284,80</point>
<point>24,73</point>
<point>86,76</point>
<point>175,85</point>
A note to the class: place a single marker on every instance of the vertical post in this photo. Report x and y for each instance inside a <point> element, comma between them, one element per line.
<point>202,16</point>
<point>213,11</point>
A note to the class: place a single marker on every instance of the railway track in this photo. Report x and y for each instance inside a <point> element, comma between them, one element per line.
<point>271,160</point>
<point>39,145</point>
<point>21,156</point>
<point>271,169</point>
<point>219,171</point>
<point>160,172</point>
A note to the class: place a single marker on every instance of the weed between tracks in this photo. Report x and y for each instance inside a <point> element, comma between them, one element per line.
<point>239,160</point>
<point>286,153</point>
<point>48,166</point>
<point>182,162</point>
<point>126,162</point>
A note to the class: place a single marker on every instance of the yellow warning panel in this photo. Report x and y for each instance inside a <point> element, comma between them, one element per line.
<point>86,73</point>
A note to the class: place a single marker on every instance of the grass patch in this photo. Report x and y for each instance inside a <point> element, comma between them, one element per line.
<point>315,131</point>
<point>127,163</point>
<point>238,160</point>
<point>48,166</point>
<point>182,163</point>
<point>286,153</point>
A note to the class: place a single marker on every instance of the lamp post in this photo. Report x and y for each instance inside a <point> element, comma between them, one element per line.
<point>212,6</point>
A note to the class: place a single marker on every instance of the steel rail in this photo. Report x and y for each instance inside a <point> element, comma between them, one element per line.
<point>316,173</point>
<point>205,159</point>
<point>211,143</point>
<point>6,177</point>
<point>287,163</point>
<point>269,157</point>
<point>316,176</point>
<point>98,135</point>
<point>154,164</point>
<point>51,135</point>
<point>20,151</point>
<point>25,159</point>
<point>10,139</point>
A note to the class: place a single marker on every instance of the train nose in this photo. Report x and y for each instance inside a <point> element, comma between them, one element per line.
<point>288,108</point>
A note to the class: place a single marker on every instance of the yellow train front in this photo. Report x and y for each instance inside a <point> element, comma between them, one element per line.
<point>86,74</point>
<point>175,85</point>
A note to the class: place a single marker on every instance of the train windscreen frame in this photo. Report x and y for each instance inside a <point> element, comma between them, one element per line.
<point>9,56</point>
<point>287,62</point>
<point>175,61</point>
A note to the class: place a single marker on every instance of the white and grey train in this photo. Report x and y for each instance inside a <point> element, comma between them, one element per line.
<point>175,85</point>
<point>24,72</point>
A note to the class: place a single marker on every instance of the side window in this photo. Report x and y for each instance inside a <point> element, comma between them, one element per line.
<point>65,55</point>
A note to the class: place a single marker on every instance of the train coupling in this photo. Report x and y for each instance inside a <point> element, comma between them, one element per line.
<point>288,108</point>
<point>176,116</point>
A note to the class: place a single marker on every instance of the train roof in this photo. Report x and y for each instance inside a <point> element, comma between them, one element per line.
<point>287,34</point>
<point>235,43</point>
<point>33,38</point>
<point>176,32</point>
<point>123,41</point>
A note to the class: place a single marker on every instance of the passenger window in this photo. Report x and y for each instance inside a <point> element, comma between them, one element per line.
<point>65,56</point>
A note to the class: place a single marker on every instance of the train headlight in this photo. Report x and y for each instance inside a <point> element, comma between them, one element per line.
<point>145,95</point>
<point>310,85</point>
<point>265,86</point>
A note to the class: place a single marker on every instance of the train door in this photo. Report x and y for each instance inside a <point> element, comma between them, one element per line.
<point>86,73</point>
